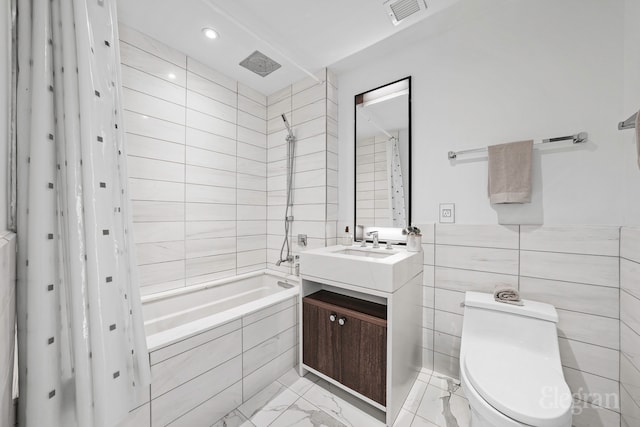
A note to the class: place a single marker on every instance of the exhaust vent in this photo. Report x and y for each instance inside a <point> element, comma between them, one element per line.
<point>399,10</point>
<point>260,64</point>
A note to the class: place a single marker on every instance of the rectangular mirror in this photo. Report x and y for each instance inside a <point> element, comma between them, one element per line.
<point>383,161</point>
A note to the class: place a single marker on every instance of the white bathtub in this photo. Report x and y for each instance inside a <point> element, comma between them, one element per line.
<point>214,346</point>
<point>178,314</point>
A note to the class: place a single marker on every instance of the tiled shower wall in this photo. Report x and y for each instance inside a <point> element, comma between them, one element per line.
<point>311,109</point>
<point>630,326</point>
<point>197,153</point>
<point>574,268</point>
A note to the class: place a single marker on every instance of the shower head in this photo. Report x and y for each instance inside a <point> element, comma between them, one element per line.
<point>278,262</point>
<point>286,123</point>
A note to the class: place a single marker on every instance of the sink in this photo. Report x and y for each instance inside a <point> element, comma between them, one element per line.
<point>378,269</point>
<point>365,253</point>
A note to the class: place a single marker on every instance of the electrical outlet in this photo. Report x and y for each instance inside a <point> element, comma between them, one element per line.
<point>447,212</point>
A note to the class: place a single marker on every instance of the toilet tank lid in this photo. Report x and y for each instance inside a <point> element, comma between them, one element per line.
<point>538,310</point>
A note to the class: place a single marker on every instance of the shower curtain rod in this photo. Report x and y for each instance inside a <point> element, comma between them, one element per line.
<point>630,123</point>
<point>577,139</point>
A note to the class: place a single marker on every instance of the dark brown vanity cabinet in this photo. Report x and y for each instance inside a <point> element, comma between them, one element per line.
<point>345,338</point>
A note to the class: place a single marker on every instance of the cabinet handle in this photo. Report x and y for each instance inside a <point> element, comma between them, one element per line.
<point>332,317</point>
<point>342,321</point>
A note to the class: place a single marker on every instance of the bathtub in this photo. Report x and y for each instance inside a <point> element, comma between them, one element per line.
<point>178,314</point>
<point>215,345</point>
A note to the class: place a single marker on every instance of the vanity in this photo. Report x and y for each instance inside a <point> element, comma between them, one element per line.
<point>360,305</point>
<point>361,320</point>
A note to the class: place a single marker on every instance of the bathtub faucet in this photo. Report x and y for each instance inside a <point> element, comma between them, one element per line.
<point>288,259</point>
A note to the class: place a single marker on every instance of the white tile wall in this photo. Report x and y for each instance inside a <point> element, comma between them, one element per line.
<point>197,162</point>
<point>629,325</point>
<point>311,114</point>
<point>206,159</point>
<point>575,268</point>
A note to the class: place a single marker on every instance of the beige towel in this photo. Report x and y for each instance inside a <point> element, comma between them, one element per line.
<point>507,295</point>
<point>638,135</point>
<point>510,172</point>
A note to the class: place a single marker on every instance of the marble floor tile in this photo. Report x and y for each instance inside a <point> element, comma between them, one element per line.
<point>255,404</point>
<point>234,419</point>
<point>297,384</point>
<point>404,418</point>
<point>340,409</point>
<point>421,422</point>
<point>262,413</point>
<point>444,408</point>
<point>446,383</point>
<point>415,397</point>
<point>434,401</point>
<point>425,375</point>
<point>303,413</point>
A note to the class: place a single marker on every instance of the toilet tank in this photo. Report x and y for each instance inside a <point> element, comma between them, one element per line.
<point>531,326</point>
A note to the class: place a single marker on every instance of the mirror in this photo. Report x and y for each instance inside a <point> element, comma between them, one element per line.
<point>383,161</point>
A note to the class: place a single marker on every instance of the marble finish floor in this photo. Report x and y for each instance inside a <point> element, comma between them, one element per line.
<point>435,400</point>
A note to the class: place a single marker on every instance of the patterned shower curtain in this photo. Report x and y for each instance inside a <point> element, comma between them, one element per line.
<point>395,184</point>
<point>82,353</point>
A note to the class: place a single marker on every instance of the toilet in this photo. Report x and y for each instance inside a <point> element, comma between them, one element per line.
<point>510,366</point>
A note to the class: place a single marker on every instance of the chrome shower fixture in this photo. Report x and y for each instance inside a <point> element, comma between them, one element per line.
<point>288,218</point>
<point>286,123</point>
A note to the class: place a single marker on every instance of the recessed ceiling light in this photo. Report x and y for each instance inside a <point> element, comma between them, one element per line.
<point>210,33</point>
<point>171,76</point>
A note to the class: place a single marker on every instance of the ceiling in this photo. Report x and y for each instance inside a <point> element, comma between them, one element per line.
<point>304,36</point>
<point>390,115</point>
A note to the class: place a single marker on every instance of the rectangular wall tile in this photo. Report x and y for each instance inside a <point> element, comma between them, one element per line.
<point>600,300</point>
<point>588,240</point>
<point>630,277</point>
<point>593,389</point>
<point>466,280</point>
<point>184,367</point>
<point>630,310</point>
<point>485,236</point>
<point>212,409</point>
<point>170,406</point>
<point>590,269</point>
<point>253,335</point>
<point>630,243</point>
<point>598,330</point>
<point>480,259</point>
<point>590,358</point>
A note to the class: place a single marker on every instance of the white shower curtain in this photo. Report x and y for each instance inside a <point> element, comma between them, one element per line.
<point>82,353</point>
<point>396,186</point>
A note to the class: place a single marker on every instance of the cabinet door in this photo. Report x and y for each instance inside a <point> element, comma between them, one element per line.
<point>363,357</point>
<point>319,340</point>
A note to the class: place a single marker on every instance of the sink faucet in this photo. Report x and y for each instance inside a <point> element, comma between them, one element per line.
<point>374,234</point>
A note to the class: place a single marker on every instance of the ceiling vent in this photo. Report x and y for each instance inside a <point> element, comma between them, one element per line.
<point>399,10</point>
<point>260,64</point>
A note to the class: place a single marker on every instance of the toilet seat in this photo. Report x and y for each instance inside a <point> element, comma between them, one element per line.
<point>525,386</point>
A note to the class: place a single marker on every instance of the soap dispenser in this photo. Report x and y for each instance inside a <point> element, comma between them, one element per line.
<point>347,240</point>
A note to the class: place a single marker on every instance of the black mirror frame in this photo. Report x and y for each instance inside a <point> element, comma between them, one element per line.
<point>355,135</point>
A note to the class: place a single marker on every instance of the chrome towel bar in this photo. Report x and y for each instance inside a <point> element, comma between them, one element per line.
<point>577,139</point>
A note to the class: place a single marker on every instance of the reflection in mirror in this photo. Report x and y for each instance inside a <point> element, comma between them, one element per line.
<point>382,160</point>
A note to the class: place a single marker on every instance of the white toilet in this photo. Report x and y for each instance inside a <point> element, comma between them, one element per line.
<point>510,364</point>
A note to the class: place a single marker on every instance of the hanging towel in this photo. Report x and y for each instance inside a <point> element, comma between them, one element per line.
<point>507,295</point>
<point>638,136</point>
<point>510,172</point>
